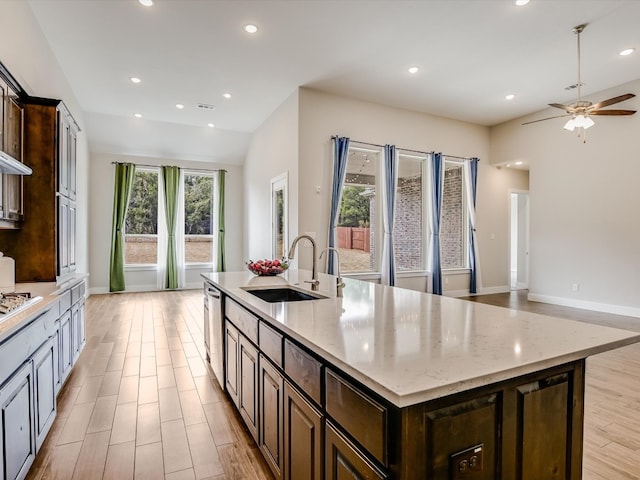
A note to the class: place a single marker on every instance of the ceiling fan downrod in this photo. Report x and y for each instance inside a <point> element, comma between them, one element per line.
<point>578,30</point>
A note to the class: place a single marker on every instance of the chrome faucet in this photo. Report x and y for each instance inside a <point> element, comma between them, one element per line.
<point>339,282</point>
<point>314,269</point>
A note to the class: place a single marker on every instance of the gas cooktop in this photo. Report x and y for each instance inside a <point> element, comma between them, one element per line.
<point>13,303</point>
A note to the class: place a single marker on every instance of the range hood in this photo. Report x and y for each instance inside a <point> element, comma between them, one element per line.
<point>10,165</point>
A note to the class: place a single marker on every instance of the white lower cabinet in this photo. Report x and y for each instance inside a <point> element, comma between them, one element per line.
<point>45,374</point>
<point>18,439</point>
<point>35,361</point>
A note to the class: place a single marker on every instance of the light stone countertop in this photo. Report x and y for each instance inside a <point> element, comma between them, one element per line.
<point>411,347</point>
<point>47,291</point>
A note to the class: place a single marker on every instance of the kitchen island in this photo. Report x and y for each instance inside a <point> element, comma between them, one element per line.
<point>392,383</point>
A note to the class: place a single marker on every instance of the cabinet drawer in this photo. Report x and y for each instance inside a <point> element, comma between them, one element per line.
<point>21,346</point>
<point>343,460</point>
<point>65,301</point>
<point>77,292</point>
<point>271,343</point>
<point>303,369</point>
<point>362,417</point>
<point>246,322</point>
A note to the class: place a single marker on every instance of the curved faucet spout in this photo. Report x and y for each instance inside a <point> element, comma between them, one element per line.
<point>339,282</point>
<point>314,269</point>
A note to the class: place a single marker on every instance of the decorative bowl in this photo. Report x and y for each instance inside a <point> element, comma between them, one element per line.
<point>267,268</point>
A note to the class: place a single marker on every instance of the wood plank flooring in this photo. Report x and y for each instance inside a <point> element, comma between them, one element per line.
<point>141,402</point>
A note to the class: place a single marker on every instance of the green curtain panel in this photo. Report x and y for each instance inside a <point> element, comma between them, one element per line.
<point>121,193</point>
<point>171,184</point>
<point>221,260</point>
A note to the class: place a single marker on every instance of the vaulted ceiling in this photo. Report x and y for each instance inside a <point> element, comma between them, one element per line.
<point>470,54</point>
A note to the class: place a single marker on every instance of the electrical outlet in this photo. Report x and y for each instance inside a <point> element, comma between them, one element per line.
<point>575,287</point>
<point>467,464</point>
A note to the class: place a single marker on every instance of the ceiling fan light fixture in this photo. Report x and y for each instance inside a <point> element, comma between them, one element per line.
<point>570,125</point>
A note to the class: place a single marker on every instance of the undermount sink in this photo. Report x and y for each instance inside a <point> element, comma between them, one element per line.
<point>282,294</point>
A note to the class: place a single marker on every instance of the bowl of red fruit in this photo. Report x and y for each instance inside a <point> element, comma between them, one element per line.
<point>267,268</point>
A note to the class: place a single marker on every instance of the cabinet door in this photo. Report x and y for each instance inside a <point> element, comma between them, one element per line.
<point>76,332</point>
<point>63,153</point>
<point>271,416</point>
<point>248,395</point>
<point>81,326</point>
<point>344,462</point>
<point>63,235</point>
<point>17,440</point>
<point>65,348</point>
<point>302,437</point>
<point>71,237</point>
<point>231,361</point>
<point>12,184</point>
<point>4,88</point>
<point>72,164</point>
<point>45,366</point>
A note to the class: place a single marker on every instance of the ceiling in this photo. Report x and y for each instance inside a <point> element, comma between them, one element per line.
<point>471,53</point>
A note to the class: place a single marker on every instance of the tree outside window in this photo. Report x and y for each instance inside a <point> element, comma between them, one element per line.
<point>198,208</point>
<point>141,224</point>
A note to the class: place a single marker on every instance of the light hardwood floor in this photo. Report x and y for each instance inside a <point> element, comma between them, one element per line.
<point>141,402</point>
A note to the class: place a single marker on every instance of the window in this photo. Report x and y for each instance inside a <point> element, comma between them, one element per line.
<point>198,230</point>
<point>360,218</point>
<point>454,223</point>
<point>357,221</point>
<point>408,225</point>
<point>141,224</point>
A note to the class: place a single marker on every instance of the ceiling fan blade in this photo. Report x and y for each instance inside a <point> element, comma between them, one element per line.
<point>611,101</point>
<point>566,108</point>
<point>548,118</point>
<point>613,112</point>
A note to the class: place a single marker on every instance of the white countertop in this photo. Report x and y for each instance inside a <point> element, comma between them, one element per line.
<point>412,347</point>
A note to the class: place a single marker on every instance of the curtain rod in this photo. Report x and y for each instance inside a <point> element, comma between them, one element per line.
<point>183,168</point>
<point>406,149</point>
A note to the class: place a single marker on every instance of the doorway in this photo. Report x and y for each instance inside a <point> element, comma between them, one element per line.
<point>519,255</point>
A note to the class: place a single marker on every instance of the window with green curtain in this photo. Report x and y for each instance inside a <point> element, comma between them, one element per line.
<point>121,192</point>
<point>171,184</point>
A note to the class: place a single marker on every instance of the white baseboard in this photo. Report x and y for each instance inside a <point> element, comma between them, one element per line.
<point>586,305</point>
<point>142,288</point>
<point>483,291</point>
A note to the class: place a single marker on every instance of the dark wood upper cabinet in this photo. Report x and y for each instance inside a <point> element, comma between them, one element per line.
<point>44,248</point>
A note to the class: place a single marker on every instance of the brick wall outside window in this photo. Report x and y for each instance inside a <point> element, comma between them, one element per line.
<point>452,222</point>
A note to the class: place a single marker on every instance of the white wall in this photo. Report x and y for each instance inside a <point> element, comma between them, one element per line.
<point>584,201</point>
<point>323,115</point>
<point>101,205</point>
<point>26,54</point>
<point>273,150</point>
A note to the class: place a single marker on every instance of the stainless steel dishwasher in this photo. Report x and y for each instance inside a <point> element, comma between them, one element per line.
<point>213,335</point>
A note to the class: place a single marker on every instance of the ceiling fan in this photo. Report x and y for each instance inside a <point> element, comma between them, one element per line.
<point>581,111</point>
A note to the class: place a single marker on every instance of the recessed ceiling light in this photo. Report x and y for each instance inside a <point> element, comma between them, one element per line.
<point>413,70</point>
<point>146,3</point>
<point>137,115</point>
<point>226,95</point>
<point>251,28</point>
<point>210,125</point>
<point>511,96</point>
<point>135,80</point>
<point>179,106</point>
<point>519,163</point>
<point>627,51</point>
<point>520,3</point>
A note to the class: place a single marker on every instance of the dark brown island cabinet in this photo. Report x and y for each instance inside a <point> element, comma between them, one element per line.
<point>313,421</point>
